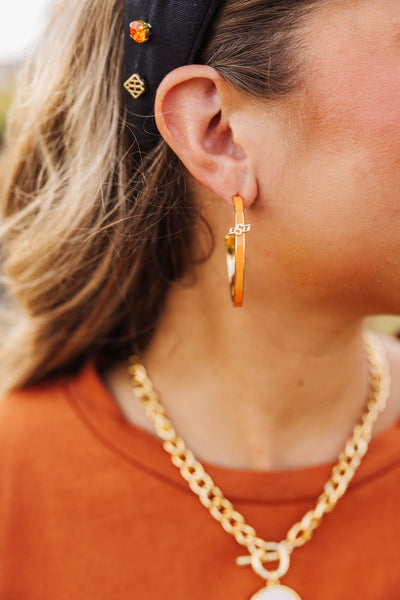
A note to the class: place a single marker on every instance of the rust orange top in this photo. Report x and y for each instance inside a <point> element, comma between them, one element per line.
<point>91,508</point>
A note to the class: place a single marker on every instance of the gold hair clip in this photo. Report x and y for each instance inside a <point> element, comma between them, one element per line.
<point>135,85</point>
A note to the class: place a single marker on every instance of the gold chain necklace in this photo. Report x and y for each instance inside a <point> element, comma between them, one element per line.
<point>221,508</point>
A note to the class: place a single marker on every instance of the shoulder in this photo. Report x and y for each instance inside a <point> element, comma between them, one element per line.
<point>29,415</point>
<point>30,425</point>
<point>38,428</point>
<point>43,447</point>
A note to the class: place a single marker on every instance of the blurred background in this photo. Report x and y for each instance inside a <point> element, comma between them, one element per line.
<point>21,25</point>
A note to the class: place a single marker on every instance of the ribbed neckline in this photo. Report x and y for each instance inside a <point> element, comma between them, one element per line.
<point>101,414</point>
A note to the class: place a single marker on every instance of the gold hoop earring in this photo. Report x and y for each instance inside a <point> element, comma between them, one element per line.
<point>235,252</point>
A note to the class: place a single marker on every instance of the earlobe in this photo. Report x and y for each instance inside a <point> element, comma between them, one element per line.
<point>194,110</point>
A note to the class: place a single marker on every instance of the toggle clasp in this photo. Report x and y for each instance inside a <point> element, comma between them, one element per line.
<point>273,551</point>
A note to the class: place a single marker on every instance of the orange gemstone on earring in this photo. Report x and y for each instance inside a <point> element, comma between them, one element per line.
<point>139,31</point>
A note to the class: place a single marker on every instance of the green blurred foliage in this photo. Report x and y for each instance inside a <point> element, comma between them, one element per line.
<point>6,94</point>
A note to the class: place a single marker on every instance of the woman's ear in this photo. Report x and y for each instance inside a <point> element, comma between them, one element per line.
<point>197,113</point>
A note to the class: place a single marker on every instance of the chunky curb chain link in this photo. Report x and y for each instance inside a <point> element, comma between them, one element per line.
<point>212,497</point>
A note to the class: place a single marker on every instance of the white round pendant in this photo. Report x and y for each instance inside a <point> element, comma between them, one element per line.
<point>276,592</point>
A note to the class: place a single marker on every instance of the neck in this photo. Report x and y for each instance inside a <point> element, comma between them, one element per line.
<point>258,389</point>
<point>273,385</point>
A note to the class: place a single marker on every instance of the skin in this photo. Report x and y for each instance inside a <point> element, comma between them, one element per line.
<point>281,382</point>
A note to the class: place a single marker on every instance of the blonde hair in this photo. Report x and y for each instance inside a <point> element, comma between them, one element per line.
<point>94,231</point>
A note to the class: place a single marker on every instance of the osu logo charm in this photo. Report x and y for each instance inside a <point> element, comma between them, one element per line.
<point>240,229</point>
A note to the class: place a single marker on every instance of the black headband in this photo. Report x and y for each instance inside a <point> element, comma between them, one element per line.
<point>178,28</point>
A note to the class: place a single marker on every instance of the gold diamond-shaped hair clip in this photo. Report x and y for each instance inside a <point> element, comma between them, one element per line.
<point>135,85</point>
